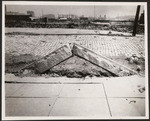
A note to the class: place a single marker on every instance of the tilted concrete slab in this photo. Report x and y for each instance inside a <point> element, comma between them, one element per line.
<point>69,50</point>
<point>103,62</point>
<point>53,59</point>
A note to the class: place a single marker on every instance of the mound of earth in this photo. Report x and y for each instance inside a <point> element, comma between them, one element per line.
<point>77,67</point>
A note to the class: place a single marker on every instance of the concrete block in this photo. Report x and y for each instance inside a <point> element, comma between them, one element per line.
<point>93,58</point>
<point>100,61</point>
<point>53,59</point>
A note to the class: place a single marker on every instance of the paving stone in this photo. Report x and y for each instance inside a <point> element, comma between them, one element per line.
<point>28,106</point>
<point>125,107</point>
<point>127,46</point>
<point>80,107</point>
<point>82,90</point>
<point>53,59</point>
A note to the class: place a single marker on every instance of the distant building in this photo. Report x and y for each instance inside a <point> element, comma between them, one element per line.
<point>73,16</point>
<point>48,17</point>
<point>84,18</point>
<point>13,17</point>
<point>68,16</point>
<point>14,13</point>
<point>31,13</point>
<point>126,18</point>
<point>34,19</point>
<point>63,16</point>
<point>102,18</point>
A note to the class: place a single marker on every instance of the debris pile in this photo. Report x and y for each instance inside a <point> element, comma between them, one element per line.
<point>137,60</point>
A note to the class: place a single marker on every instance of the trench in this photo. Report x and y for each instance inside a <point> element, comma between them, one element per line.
<point>73,67</point>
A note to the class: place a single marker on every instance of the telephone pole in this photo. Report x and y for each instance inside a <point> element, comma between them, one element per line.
<point>94,12</point>
<point>5,9</point>
<point>136,20</point>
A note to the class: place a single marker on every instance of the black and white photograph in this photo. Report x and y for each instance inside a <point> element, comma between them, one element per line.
<point>74,60</point>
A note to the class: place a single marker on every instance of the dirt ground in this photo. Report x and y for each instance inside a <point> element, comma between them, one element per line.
<point>21,50</point>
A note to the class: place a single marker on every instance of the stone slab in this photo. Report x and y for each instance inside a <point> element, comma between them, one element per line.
<point>28,106</point>
<point>53,59</point>
<point>39,90</point>
<point>82,90</point>
<point>81,107</point>
<point>125,107</point>
<point>100,61</point>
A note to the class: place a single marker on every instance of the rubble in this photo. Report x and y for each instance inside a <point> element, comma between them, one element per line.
<point>141,90</point>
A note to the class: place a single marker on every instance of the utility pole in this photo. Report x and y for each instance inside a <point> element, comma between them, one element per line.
<point>5,9</point>
<point>94,12</point>
<point>136,20</point>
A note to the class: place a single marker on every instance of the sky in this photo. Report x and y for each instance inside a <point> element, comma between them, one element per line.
<point>88,10</point>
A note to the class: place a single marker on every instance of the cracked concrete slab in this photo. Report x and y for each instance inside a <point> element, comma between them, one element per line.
<point>101,61</point>
<point>53,59</point>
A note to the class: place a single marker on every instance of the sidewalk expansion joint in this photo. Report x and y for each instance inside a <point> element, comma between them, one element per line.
<point>107,100</point>
<point>55,101</point>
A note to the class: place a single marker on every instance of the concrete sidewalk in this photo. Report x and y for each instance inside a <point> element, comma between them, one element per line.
<point>93,97</point>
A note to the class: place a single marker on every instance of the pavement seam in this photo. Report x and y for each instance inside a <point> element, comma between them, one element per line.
<point>27,97</point>
<point>82,97</point>
<point>71,97</point>
<point>55,100</point>
<point>127,97</point>
<point>116,35</point>
<point>18,82</point>
<point>107,100</point>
